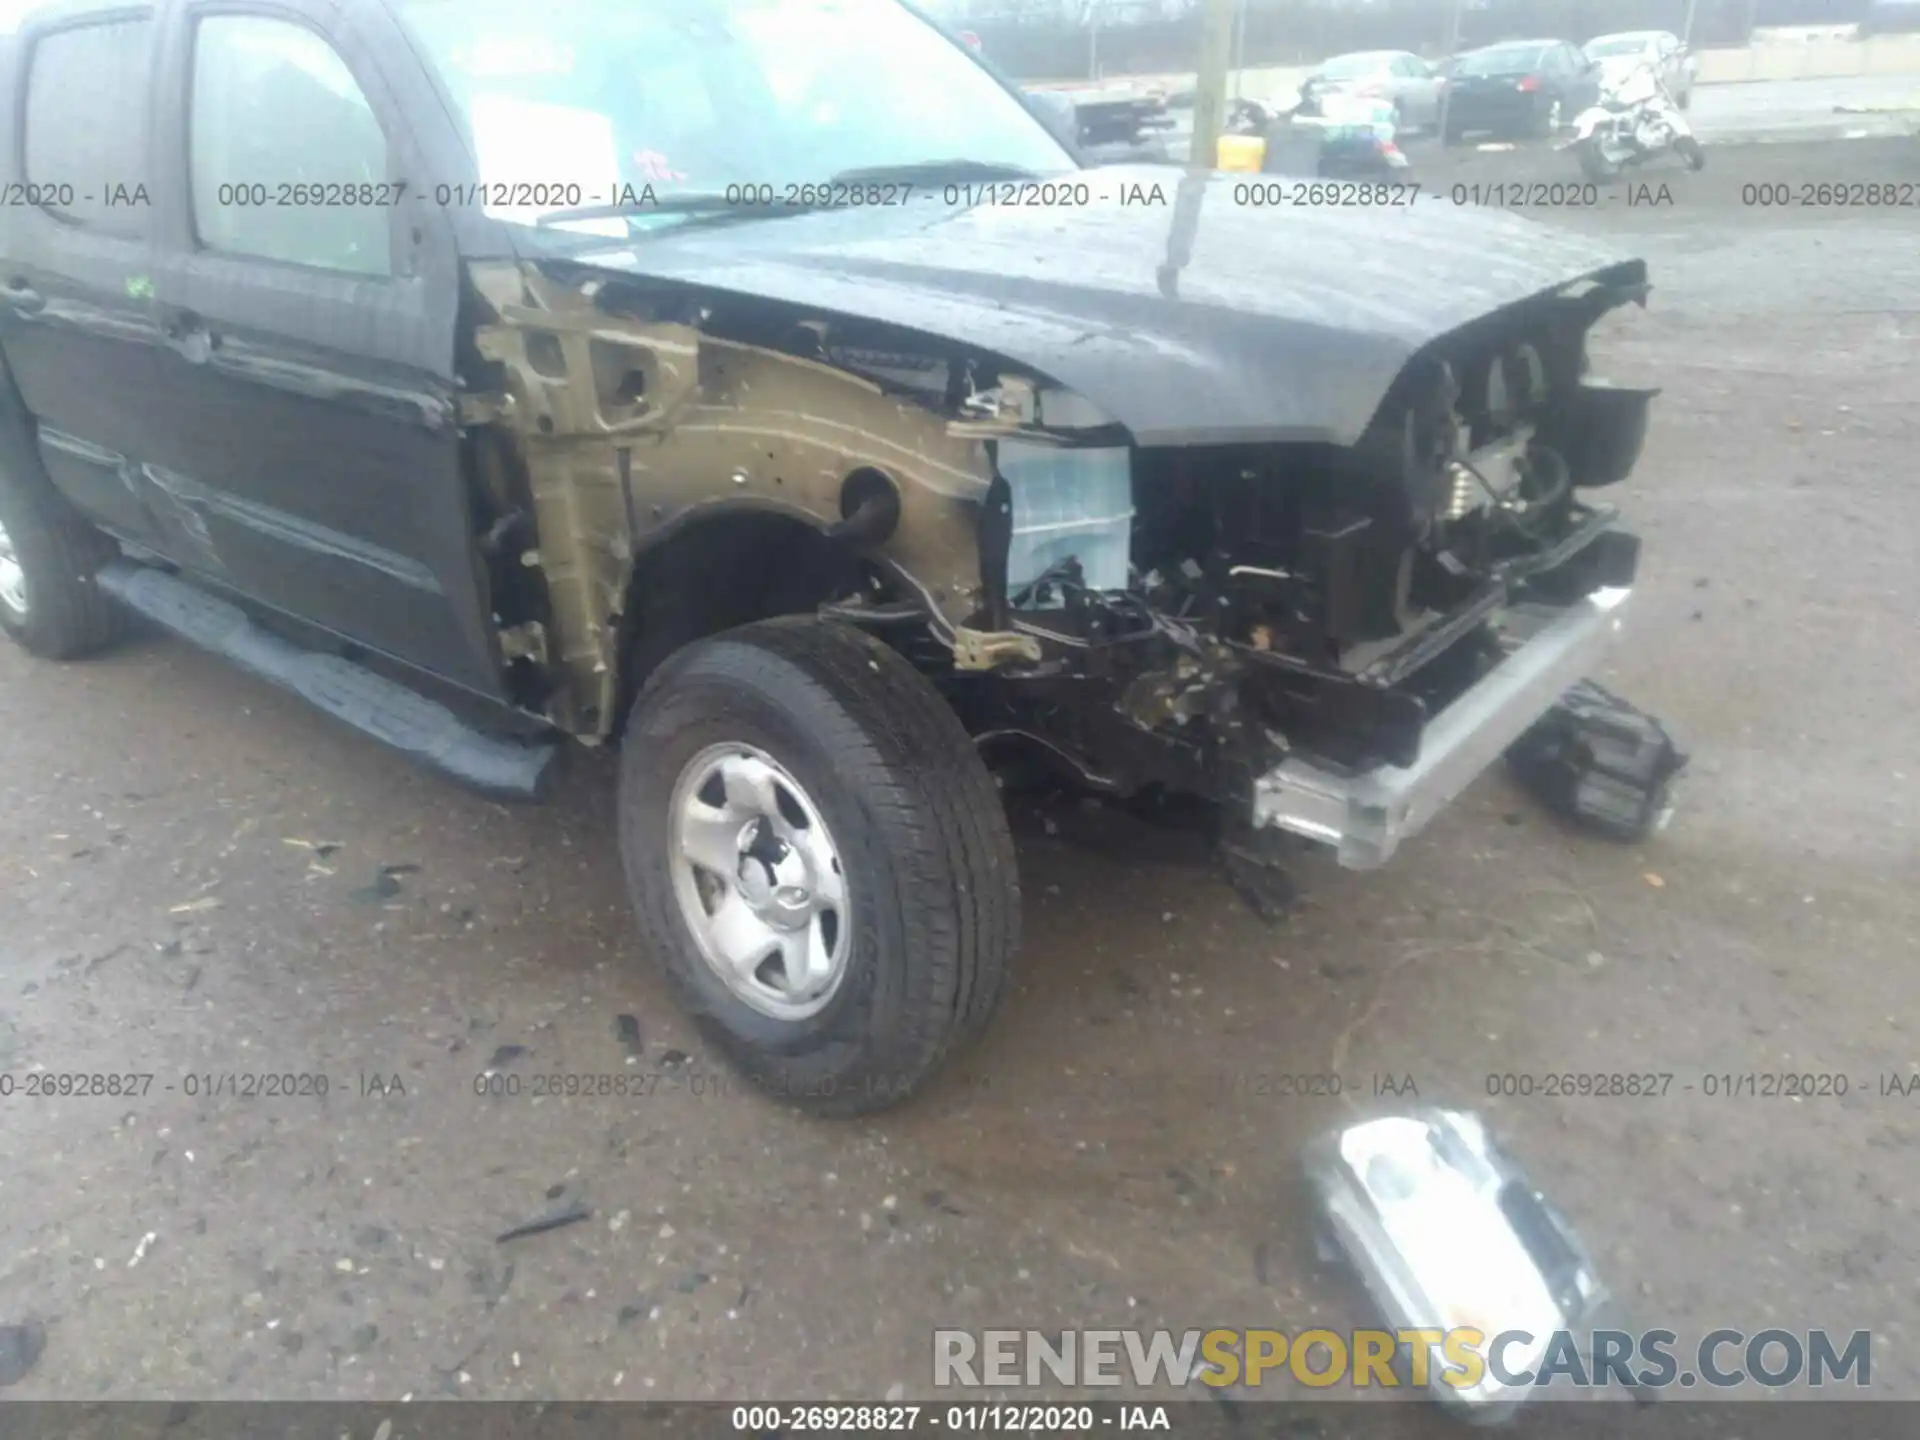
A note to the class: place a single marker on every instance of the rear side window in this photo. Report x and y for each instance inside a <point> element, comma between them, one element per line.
<point>85,141</point>
<point>288,162</point>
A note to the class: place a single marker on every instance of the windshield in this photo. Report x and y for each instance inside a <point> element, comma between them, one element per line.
<point>571,104</point>
<point>1353,67</point>
<point>1502,60</point>
<point>1620,45</point>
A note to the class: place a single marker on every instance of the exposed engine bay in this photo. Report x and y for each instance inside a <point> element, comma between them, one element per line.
<point>1178,615</point>
<point>1332,598</point>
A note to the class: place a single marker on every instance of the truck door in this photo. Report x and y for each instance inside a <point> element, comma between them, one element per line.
<point>76,319</point>
<point>308,296</point>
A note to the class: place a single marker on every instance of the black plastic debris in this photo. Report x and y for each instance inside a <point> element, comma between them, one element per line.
<point>1597,761</point>
<point>1256,863</point>
<point>506,1055</point>
<point>570,1208</point>
<point>626,1029</point>
<point>20,1347</point>
<point>386,884</point>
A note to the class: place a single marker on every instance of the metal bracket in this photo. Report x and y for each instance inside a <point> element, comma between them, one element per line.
<point>525,642</point>
<point>481,409</point>
<point>989,650</point>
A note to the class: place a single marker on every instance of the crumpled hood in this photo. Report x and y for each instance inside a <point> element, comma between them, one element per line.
<point>1284,323</point>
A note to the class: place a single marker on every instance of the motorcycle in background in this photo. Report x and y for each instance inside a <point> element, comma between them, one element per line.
<point>1635,121</point>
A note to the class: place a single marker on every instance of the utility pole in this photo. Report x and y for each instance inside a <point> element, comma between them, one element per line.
<point>1210,90</point>
<point>1451,43</point>
<point>1686,35</point>
<point>1239,44</point>
<point>1093,39</point>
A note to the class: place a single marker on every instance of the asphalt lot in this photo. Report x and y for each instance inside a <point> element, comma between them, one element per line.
<point>201,877</point>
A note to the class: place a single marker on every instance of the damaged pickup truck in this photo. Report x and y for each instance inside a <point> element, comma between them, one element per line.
<point>761,386</point>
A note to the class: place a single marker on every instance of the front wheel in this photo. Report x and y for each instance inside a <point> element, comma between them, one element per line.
<point>819,860</point>
<point>1595,163</point>
<point>1690,150</point>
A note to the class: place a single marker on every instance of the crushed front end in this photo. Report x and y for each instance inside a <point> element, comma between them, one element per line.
<point>1328,640</point>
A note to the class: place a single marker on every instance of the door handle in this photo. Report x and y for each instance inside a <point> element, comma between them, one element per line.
<point>22,298</point>
<point>188,334</point>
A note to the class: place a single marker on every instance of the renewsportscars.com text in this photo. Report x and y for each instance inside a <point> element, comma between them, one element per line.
<point>1462,1358</point>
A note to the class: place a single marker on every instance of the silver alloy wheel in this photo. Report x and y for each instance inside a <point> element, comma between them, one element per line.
<point>759,880</point>
<point>13,580</point>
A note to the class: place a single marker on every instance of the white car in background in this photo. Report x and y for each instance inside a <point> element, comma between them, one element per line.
<point>1399,77</point>
<point>1672,61</point>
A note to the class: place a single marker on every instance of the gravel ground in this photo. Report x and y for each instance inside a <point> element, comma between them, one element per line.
<point>199,876</point>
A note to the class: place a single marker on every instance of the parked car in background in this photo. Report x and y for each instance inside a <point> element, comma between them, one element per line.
<point>1520,87</point>
<point>1673,62</point>
<point>1403,79</point>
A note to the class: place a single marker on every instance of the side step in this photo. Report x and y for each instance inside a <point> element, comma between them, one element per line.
<point>372,704</point>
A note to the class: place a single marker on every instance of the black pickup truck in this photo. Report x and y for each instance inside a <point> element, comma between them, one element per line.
<point>759,385</point>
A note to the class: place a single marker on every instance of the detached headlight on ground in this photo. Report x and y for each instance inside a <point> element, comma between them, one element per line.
<point>1447,1234</point>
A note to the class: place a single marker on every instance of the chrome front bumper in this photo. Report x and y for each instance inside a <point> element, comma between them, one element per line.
<point>1365,815</point>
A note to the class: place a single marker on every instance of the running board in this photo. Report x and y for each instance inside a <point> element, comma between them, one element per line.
<point>372,704</point>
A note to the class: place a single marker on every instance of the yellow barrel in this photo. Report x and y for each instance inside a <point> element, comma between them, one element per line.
<point>1242,152</point>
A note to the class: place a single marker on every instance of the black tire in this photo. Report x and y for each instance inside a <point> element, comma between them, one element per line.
<point>59,553</point>
<point>1692,152</point>
<point>935,896</point>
